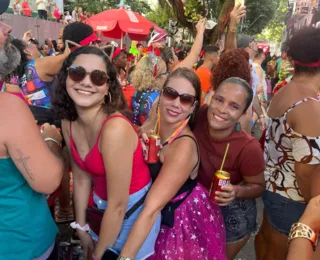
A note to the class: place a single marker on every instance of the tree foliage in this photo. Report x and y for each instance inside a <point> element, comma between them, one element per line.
<point>276,26</point>
<point>259,13</point>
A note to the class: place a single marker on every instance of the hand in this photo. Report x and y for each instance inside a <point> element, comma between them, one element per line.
<point>311,216</point>
<point>225,197</point>
<point>263,123</point>
<point>87,244</point>
<point>236,15</point>
<point>51,131</point>
<point>201,26</point>
<point>27,36</point>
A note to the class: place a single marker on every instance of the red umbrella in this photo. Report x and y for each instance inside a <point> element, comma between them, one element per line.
<point>115,23</point>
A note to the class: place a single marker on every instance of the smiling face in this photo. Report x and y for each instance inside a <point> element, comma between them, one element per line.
<point>226,107</point>
<point>85,94</point>
<point>173,111</point>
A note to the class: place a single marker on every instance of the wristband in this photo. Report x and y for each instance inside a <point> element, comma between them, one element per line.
<point>52,140</point>
<point>75,225</point>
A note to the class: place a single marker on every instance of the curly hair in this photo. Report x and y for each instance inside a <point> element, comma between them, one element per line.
<point>304,48</point>
<point>233,63</point>
<point>63,105</point>
<point>142,78</point>
<point>21,46</point>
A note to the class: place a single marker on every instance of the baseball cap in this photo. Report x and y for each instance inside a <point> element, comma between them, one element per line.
<point>4,4</point>
<point>117,52</point>
<point>243,41</point>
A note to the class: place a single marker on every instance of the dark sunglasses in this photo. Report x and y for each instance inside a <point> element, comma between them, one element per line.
<point>78,73</point>
<point>185,99</point>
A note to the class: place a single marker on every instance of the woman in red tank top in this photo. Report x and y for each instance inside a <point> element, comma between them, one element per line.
<point>104,150</point>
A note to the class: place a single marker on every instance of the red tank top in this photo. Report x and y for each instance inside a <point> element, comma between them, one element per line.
<point>93,165</point>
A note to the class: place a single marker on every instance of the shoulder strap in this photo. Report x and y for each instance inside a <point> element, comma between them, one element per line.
<point>181,136</point>
<point>299,103</point>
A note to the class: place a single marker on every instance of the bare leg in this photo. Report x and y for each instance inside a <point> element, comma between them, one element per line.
<point>275,242</point>
<point>260,242</point>
<point>234,249</point>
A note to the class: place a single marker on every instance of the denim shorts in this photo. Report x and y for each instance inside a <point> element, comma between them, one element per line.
<point>147,249</point>
<point>240,219</point>
<point>282,212</point>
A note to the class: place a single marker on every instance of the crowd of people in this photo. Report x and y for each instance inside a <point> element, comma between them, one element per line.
<point>49,10</point>
<point>85,111</point>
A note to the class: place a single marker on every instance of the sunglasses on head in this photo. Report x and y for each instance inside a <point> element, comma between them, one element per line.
<point>172,94</point>
<point>78,73</point>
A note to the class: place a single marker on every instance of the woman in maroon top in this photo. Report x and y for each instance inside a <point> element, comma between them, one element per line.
<point>216,126</point>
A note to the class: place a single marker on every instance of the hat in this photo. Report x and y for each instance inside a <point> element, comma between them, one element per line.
<point>243,41</point>
<point>117,52</point>
<point>157,36</point>
<point>4,4</point>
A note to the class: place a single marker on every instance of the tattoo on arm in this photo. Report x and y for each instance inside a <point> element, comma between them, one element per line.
<point>24,161</point>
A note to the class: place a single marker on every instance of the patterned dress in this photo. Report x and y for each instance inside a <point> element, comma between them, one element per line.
<point>198,231</point>
<point>284,147</point>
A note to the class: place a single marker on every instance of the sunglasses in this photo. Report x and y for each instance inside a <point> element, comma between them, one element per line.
<point>78,73</point>
<point>185,99</point>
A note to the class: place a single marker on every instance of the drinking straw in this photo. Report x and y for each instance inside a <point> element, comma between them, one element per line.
<point>224,157</point>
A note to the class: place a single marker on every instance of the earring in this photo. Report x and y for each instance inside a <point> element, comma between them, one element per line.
<point>110,97</point>
<point>238,127</point>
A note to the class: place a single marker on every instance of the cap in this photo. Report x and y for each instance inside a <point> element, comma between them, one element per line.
<point>4,4</point>
<point>117,52</point>
<point>243,41</point>
<point>157,36</point>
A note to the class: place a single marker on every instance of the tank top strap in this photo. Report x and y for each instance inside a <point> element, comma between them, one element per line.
<point>198,151</point>
<point>299,103</point>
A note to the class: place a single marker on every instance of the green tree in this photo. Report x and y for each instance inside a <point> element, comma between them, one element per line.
<point>276,26</point>
<point>161,16</point>
<point>259,13</point>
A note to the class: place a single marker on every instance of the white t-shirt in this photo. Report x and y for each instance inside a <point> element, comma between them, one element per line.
<point>68,17</point>
<point>42,5</point>
<point>18,9</point>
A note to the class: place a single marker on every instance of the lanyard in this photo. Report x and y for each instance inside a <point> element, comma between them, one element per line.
<point>175,133</point>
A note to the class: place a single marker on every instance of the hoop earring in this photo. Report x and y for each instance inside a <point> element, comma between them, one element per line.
<point>110,97</point>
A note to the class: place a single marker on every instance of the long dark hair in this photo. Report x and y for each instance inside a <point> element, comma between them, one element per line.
<point>63,105</point>
<point>195,82</point>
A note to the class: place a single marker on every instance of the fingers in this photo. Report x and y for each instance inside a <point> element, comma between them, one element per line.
<point>227,188</point>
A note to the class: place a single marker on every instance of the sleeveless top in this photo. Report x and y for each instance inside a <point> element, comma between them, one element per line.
<point>26,226</point>
<point>189,184</point>
<point>284,147</point>
<point>93,164</point>
<point>142,102</point>
<point>37,92</point>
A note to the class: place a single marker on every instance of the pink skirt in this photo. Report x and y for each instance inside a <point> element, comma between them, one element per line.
<point>198,231</point>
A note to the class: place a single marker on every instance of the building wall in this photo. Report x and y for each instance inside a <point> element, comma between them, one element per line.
<point>40,29</point>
